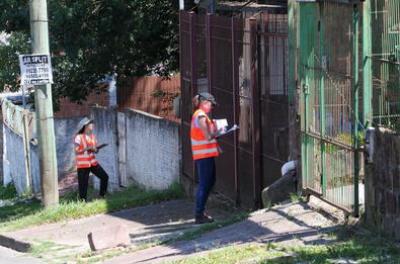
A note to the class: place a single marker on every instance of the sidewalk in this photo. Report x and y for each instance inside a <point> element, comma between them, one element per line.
<point>8,256</point>
<point>146,224</point>
<point>294,224</point>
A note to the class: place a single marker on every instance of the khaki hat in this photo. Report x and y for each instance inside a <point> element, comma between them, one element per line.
<point>207,97</point>
<point>84,122</point>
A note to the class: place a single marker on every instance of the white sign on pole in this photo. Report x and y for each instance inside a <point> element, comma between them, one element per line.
<point>35,69</point>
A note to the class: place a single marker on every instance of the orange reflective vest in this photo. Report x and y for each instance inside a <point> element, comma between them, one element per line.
<point>202,147</point>
<point>85,159</point>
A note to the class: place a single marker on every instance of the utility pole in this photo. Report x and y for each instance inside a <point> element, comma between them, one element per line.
<point>44,107</point>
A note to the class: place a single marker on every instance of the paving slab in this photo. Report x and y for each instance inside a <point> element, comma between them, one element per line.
<point>290,224</point>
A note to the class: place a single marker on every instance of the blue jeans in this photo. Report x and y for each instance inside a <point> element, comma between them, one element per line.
<point>206,173</point>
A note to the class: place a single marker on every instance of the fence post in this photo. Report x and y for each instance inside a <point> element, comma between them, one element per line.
<point>27,152</point>
<point>193,53</point>
<point>367,63</point>
<point>235,91</point>
<point>355,88</point>
<point>209,52</point>
<point>193,74</point>
<point>122,157</point>
<point>255,95</point>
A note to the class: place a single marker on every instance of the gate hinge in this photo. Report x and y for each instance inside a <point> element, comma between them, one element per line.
<point>306,89</point>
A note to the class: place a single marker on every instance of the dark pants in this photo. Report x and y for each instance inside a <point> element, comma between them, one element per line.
<point>206,173</point>
<point>83,180</point>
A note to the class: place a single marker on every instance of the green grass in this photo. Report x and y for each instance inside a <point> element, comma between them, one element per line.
<point>25,214</point>
<point>361,248</point>
<point>8,192</point>
<point>365,249</point>
<point>253,253</point>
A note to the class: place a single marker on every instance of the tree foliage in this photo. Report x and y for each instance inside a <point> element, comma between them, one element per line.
<point>90,39</point>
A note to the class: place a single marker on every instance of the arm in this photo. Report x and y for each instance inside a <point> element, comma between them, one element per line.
<point>209,134</point>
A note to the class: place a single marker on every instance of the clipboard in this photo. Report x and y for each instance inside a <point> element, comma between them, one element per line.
<point>232,129</point>
<point>101,146</point>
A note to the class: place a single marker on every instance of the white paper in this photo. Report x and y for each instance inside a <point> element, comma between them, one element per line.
<point>233,128</point>
<point>222,124</point>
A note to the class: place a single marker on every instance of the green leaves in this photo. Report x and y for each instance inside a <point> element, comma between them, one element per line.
<point>92,38</point>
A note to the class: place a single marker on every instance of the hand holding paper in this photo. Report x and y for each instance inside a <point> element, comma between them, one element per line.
<point>233,128</point>
<point>222,124</point>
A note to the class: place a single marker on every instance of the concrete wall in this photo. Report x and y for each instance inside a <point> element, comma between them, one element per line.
<point>144,149</point>
<point>105,121</point>
<point>153,150</point>
<point>14,159</point>
<point>65,129</point>
<point>382,184</point>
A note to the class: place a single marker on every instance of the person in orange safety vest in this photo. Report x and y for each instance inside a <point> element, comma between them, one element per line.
<point>205,149</point>
<point>86,163</point>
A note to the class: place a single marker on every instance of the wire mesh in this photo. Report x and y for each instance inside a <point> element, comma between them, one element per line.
<point>329,110</point>
<point>385,21</point>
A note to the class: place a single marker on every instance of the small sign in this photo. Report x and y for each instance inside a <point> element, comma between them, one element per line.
<point>35,69</point>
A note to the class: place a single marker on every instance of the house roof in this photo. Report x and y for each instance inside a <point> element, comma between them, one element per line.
<point>236,6</point>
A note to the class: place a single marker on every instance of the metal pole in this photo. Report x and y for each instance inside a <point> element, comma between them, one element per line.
<point>255,111</point>
<point>44,107</point>
<point>236,106</point>
<point>367,63</point>
<point>23,97</point>
<point>322,112</point>
<point>355,89</point>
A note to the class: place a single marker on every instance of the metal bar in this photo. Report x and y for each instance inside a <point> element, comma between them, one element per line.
<point>193,74</point>
<point>256,139</point>
<point>181,127</point>
<point>235,97</point>
<point>328,140</point>
<point>367,63</point>
<point>193,53</point>
<point>321,87</point>
<point>355,89</point>
<point>209,52</point>
<point>309,191</point>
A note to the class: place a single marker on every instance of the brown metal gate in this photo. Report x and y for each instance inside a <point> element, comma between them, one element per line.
<point>243,62</point>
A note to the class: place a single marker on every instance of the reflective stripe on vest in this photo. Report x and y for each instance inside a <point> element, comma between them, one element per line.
<point>201,147</point>
<point>85,159</point>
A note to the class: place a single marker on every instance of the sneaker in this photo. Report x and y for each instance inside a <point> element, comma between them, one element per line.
<point>204,219</point>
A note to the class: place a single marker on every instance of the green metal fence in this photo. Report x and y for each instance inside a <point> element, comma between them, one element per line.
<point>328,69</point>
<point>385,24</point>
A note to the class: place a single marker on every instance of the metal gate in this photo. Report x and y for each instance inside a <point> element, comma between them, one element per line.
<point>243,62</point>
<point>328,71</point>
<point>385,24</point>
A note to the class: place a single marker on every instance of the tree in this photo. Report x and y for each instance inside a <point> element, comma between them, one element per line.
<point>94,38</point>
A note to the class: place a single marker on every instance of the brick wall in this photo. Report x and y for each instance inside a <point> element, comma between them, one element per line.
<point>70,109</point>
<point>150,94</point>
<point>383,184</point>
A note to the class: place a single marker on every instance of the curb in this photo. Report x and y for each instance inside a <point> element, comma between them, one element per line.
<point>15,244</point>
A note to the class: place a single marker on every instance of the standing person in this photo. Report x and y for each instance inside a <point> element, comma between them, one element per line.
<point>205,148</point>
<point>85,149</point>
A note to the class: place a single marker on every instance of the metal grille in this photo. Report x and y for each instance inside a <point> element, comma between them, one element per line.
<point>385,21</point>
<point>243,62</point>
<point>329,101</point>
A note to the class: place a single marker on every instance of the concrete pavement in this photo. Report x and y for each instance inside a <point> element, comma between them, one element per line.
<point>294,224</point>
<point>8,256</point>
<point>152,223</point>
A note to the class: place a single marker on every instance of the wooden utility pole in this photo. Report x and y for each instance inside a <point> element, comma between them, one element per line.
<point>44,107</point>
